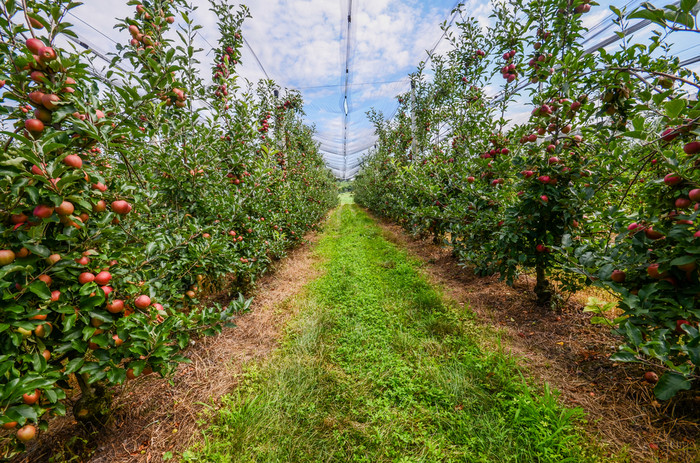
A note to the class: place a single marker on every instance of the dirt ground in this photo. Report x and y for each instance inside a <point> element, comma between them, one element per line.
<point>152,415</point>
<point>565,350</point>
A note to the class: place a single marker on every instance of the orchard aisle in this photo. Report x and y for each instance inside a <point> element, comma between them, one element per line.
<point>377,366</point>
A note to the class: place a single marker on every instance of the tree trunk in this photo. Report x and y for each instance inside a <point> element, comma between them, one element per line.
<point>543,289</point>
<point>92,407</point>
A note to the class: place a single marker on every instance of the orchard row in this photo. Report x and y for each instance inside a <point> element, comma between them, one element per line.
<point>126,199</point>
<point>597,184</point>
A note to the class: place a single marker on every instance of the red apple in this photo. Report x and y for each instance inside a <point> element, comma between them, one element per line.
<point>34,125</point>
<point>43,211</point>
<point>103,278</point>
<point>73,160</point>
<point>86,277</point>
<point>672,179</point>
<point>618,276</point>
<point>692,148</point>
<point>26,433</point>
<point>35,45</point>
<point>116,306</point>
<point>121,207</point>
<point>142,301</point>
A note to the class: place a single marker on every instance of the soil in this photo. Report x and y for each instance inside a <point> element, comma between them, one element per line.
<point>564,349</point>
<point>152,415</point>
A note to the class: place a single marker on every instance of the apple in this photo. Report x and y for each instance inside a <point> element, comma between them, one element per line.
<point>653,272</point>
<point>34,125</point>
<point>116,306</point>
<point>683,203</point>
<point>26,433</point>
<point>470,179</point>
<point>669,134</point>
<point>651,377</point>
<point>679,326</point>
<point>49,101</point>
<point>107,290</point>
<point>117,341</point>
<point>47,54</point>
<point>544,198</point>
<point>672,179</point>
<point>99,186</point>
<point>46,279</point>
<point>66,208</point>
<point>692,148</point>
<point>121,207</point>
<point>142,301</point>
<point>52,259</point>
<point>46,354</point>
<point>35,45</point>
<point>103,278</point>
<point>31,399</point>
<point>86,277</point>
<point>653,234</point>
<point>43,212</point>
<point>618,276</point>
<point>6,257</point>
<point>73,160</point>
<point>9,425</point>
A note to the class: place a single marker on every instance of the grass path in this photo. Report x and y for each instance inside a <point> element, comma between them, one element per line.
<point>379,367</point>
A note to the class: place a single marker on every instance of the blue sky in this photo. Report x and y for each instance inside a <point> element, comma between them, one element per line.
<point>301,45</point>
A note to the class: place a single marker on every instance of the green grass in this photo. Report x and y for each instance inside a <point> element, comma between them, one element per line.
<point>346,198</point>
<point>377,367</point>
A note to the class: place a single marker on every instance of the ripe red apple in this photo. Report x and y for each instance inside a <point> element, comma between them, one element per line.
<point>618,276</point>
<point>9,425</point>
<point>142,301</point>
<point>692,148</point>
<point>683,203</point>
<point>43,212</point>
<point>73,160</point>
<point>103,278</point>
<point>117,341</point>
<point>66,208</point>
<point>99,186</point>
<point>49,101</point>
<point>34,125</point>
<point>6,257</point>
<point>116,306</point>
<point>47,54</point>
<point>26,433</point>
<point>470,179</point>
<point>653,272</point>
<point>669,134</point>
<point>121,207</point>
<point>672,179</point>
<point>46,279</point>
<point>86,277</point>
<point>653,234</point>
<point>544,198</point>
<point>679,325</point>
<point>651,377</point>
<point>100,206</point>
<point>83,260</point>
<point>31,398</point>
<point>52,259</point>
<point>35,45</point>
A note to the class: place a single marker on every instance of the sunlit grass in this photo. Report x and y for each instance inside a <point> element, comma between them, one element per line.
<point>377,367</point>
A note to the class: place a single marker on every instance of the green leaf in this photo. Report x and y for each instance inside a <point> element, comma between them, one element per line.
<point>40,289</point>
<point>626,357</point>
<point>675,107</point>
<point>669,384</point>
<point>683,260</point>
